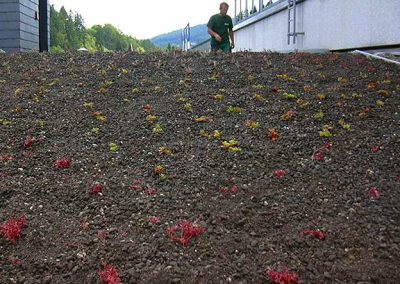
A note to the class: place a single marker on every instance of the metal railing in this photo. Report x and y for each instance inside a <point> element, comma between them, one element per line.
<point>247,8</point>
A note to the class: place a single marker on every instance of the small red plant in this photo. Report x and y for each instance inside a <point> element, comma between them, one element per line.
<point>397,179</point>
<point>63,163</point>
<point>137,184</point>
<point>27,154</point>
<point>5,157</point>
<point>273,134</point>
<point>373,192</point>
<point>315,233</point>
<point>327,145</point>
<point>376,149</point>
<point>184,232</point>
<point>224,190</point>
<point>84,225</point>
<point>96,189</point>
<point>29,141</point>
<point>147,108</point>
<point>16,262</point>
<point>11,230</point>
<point>279,173</point>
<point>282,277</point>
<point>318,156</point>
<point>275,89</point>
<point>109,274</point>
<point>234,189</point>
<point>154,220</point>
<point>102,235</point>
<point>151,191</point>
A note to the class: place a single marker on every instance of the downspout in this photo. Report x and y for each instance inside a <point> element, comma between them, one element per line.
<point>376,56</point>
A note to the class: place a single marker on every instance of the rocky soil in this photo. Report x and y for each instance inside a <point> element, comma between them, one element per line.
<point>275,161</point>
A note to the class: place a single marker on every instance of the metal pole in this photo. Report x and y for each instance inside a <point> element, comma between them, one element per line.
<point>294,21</point>
<point>260,5</point>
<point>188,47</point>
<point>183,40</point>
<point>288,32</point>
<point>236,11</point>
<point>246,11</point>
<point>252,6</point>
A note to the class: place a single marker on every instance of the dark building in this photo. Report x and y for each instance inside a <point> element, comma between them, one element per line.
<point>24,25</point>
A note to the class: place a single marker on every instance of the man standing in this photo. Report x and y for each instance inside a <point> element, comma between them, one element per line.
<point>220,28</point>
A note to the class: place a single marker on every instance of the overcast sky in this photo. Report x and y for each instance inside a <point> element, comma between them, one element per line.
<point>144,19</point>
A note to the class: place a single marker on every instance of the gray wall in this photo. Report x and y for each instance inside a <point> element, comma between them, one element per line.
<point>19,30</point>
<point>29,25</point>
<point>327,24</point>
<point>9,25</point>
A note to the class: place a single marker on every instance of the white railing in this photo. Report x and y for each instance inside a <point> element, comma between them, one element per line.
<point>186,38</point>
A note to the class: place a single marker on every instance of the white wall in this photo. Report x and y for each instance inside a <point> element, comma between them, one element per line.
<point>327,24</point>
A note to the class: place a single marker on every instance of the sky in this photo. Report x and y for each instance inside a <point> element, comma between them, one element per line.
<point>144,19</point>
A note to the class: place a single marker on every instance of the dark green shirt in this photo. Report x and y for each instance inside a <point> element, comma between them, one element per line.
<point>221,25</point>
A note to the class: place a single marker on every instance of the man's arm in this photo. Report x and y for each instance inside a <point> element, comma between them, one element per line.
<point>214,35</point>
<point>232,38</point>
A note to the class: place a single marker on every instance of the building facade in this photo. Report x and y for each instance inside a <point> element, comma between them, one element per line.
<point>24,25</point>
<point>315,25</point>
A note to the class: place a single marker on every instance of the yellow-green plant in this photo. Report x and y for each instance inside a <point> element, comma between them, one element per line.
<point>158,129</point>
<point>151,117</point>
<point>252,124</point>
<point>288,96</point>
<point>356,96</point>
<point>251,77</point>
<point>344,125</point>
<point>202,119</point>
<point>380,103</point>
<point>236,110</point>
<point>188,107</point>
<point>214,77</point>
<point>113,147</point>
<point>88,104</point>
<point>231,146</point>
<point>319,115</point>
<point>165,150</point>
<point>259,87</point>
<point>326,131</point>
<point>218,97</point>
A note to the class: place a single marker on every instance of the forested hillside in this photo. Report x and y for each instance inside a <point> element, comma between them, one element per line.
<point>68,32</point>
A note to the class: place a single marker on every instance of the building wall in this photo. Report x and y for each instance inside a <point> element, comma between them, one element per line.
<point>29,26</point>
<point>203,46</point>
<point>328,25</point>
<point>19,29</point>
<point>9,28</point>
